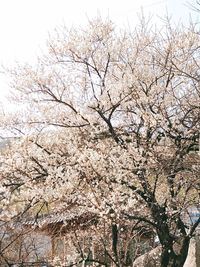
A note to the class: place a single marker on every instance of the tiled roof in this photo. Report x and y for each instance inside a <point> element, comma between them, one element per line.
<point>74,215</point>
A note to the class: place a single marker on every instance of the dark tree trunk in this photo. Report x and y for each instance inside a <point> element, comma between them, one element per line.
<point>170,259</point>
<point>115,242</point>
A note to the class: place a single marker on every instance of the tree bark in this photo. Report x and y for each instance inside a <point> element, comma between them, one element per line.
<point>115,242</point>
<point>170,259</point>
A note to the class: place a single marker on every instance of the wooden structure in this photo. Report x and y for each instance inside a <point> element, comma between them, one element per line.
<point>76,234</point>
<point>60,227</point>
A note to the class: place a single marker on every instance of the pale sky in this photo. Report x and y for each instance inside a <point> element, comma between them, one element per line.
<point>25,24</point>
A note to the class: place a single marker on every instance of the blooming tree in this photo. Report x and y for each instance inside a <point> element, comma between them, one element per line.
<point>110,117</point>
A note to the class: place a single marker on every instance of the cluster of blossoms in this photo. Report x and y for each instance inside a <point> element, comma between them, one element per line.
<point>111,120</point>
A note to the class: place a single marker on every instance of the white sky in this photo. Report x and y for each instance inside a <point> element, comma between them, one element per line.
<point>25,24</point>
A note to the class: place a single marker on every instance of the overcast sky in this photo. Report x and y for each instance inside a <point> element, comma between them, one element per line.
<point>25,24</point>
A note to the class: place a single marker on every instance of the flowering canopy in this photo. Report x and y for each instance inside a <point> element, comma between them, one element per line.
<point>109,118</point>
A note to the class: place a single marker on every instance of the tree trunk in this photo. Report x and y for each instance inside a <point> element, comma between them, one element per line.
<point>170,259</point>
<point>115,242</point>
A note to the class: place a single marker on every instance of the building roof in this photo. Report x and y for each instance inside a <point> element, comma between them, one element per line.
<point>55,222</point>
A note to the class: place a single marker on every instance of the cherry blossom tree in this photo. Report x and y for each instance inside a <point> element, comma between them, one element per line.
<point>110,117</point>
